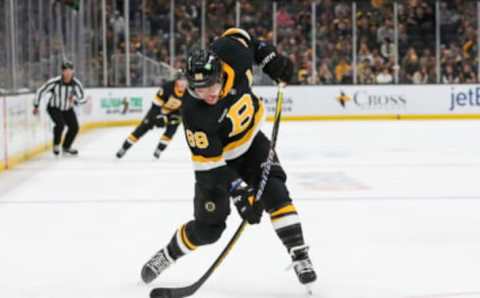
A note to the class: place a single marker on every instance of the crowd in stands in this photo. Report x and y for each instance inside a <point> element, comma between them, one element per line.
<point>378,60</point>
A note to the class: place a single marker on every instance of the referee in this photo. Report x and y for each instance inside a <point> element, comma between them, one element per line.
<point>63,93</point>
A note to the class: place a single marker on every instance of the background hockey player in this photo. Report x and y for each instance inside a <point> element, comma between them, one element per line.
<point>222,118</point>
<point>64,92</point>
<point>165,112</point>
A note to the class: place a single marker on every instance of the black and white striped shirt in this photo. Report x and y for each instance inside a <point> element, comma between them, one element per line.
<point>61,95</point>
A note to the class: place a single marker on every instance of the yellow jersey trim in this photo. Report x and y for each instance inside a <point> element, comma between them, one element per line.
<point>165,138</point>
<point>234,30</point>
<point>227,87</point>
<point>132,138</point>
<point>185,239</point>
<point>200,158</point>
<point>287,209</point>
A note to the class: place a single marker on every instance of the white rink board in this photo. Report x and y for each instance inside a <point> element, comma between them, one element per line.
<point>304,101</point>
<point>18,131</point>
<point>24,130</point>
<point>110,105</point>
<point>116,104</point>
<point>374,100</point>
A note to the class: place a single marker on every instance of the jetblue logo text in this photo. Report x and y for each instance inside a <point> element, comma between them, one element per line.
<point>469,98</point>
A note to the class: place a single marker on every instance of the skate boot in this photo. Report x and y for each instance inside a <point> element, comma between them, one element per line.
<point>156,265</point>
<point>160,147</point>
<point>303,266</point>
<point>70,152</point>
<point>120,153</point>
<point>56,150</point>
<point>157,153</point>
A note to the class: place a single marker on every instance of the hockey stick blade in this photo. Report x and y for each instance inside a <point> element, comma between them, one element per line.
<point>163,292</point>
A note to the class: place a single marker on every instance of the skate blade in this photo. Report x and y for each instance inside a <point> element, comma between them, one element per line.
<point>309,290</point>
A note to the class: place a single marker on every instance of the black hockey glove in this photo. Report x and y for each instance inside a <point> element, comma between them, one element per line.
<point>174,119</point>
<point>243,197</point>
<point>161,120</point>
<point>280,69</point>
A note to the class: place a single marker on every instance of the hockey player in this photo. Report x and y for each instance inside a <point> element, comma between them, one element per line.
<point>222,118</point>
<point>165,112</point>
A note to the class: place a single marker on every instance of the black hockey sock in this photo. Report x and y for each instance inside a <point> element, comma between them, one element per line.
<point>161,146</point>
<point>180,244</point>
<point>286,223</point>
<point>129,142</point>
<point>164,141</point>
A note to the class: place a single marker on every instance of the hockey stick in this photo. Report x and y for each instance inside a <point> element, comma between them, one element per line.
<point>191,289</point>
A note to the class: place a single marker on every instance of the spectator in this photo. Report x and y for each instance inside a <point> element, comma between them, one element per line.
<point>283,18</point>
<point>388,48</point>
<point>410,64</point>
<point>421,76</point>
<point>367,76</point>
<point>385,77</point>
<point>325,76</point>
<point>468,75</point>
<point>385,32</point>
<point>343,72</point>
<point>449,76</point>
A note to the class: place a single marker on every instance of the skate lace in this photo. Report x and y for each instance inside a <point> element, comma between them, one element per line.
<point>159,262</point>
<point>301,266</point>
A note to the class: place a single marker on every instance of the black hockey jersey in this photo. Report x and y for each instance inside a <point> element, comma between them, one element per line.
<point>223,132</point>
<point>168,98</point>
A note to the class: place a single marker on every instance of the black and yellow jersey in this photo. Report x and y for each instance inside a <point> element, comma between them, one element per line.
<point>223,132</point>
<point>169,98</point>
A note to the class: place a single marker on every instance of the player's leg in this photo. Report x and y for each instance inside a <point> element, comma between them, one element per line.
<point>72,131</point>
<point>212,208</point>
<point>278,204</point>
<point>147,123</point>
<point>59,125</point>
<point>165,139</point>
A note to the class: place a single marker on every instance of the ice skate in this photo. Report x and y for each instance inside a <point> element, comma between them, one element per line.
<point>156,265</point>
<point>70,152</point>
<point>303,266</point>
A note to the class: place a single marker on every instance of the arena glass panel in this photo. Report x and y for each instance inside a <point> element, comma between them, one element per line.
<point>417,39</point>
<point>458,42</point>
<point>187,29</point>
<point>5,49</point>
<point>294,29</point>
<point>334,50</point>
<point>256,17</point>
<point>375,31</point>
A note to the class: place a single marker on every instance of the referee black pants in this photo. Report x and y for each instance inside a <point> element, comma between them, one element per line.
<point>61,119</point>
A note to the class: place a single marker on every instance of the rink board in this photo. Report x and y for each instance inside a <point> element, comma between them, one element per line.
<point>23,135</point>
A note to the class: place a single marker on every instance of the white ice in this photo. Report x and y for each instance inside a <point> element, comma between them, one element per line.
<point>390,209</point>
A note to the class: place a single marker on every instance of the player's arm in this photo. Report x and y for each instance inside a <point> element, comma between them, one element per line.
<point>163,93</point>
<point>79,92</point>
<point>45,88</point>
<point>278,67</point>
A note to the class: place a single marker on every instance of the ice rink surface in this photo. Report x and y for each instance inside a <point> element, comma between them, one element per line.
<point>390,209</point>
